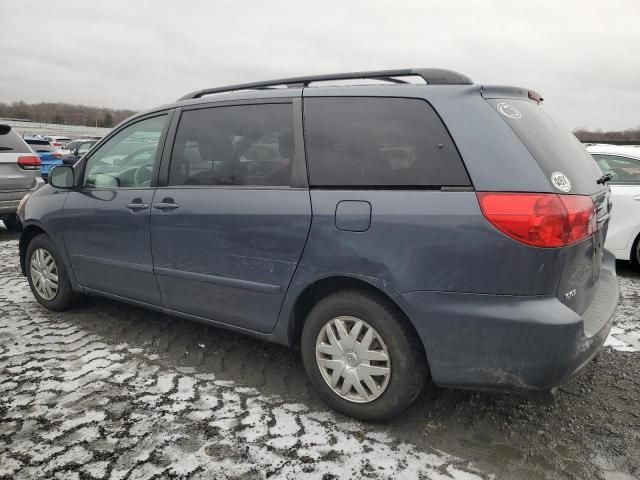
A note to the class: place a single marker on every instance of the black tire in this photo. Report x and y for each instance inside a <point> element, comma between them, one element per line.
<point>635,253</point>
<point>12,222</point>
<point>65,297</point>
<point>409,367</point>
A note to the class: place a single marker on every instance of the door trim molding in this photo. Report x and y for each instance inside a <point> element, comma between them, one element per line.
<point>217,280</point>
<point>115,263</point>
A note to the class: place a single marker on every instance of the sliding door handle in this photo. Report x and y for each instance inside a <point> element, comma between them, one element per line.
<point>136,206</point>
<point>165,206</point>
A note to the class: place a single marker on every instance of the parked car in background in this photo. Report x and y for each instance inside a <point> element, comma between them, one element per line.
<point>623,164</point>
<point>73,151</point>
<point>19,175</point>
<point>49,155</point>
<point>57,140</point>
<point>392,232</point>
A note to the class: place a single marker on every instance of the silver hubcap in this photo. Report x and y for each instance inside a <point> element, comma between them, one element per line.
<point>353,359</point>
<point>44,274</point>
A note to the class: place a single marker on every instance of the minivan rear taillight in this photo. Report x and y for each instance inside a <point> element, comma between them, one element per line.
<point>540,219</point>
<point>29,162</point>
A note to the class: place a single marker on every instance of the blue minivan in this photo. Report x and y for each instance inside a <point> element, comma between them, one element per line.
<point>398,226</point>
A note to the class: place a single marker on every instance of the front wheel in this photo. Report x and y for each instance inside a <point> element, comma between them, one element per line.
<point>47,275</point>
<point>362,356</point>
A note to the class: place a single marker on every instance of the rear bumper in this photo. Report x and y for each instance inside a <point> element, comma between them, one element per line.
<point>502,342</point>
<point>9,200</point>
<point>8,207</point>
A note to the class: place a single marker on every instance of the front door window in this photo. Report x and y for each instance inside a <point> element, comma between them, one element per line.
<point>126,160</point>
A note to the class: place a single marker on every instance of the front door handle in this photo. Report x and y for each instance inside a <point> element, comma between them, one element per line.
<point>166,204</point>
<point>637,198</point>
<point>137,205</point>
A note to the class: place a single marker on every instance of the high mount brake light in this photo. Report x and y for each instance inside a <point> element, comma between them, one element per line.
<point>535,96</point>
<point>540,219</point>
<point>29,162</point>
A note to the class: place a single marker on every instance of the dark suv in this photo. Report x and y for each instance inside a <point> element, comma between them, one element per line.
<point>389,231</point>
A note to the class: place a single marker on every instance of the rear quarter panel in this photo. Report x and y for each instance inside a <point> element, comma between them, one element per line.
<point>426,241</point>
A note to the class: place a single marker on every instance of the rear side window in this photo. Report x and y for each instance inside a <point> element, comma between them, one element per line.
<point>235,145</point>
<point>554,147</point>
<point>625,170</point>
<point>384,142</point>
<point>10,141</point>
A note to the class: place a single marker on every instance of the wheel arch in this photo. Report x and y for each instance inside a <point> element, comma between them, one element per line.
<point>325,286</point>
<point>634,254</point>
<point>29,232</point>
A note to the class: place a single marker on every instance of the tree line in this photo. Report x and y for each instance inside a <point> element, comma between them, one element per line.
<point>64,113</point>
<point>598,136</point>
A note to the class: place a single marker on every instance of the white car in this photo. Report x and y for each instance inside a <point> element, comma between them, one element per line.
<point>623,163</point>
<point>57,141</point>
<point>82,145</point>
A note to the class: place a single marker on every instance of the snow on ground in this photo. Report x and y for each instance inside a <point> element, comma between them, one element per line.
<point>76,404</point>
<point>73,405</point>
<point>625,333</point>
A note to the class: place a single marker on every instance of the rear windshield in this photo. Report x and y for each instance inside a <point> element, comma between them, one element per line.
<point>555,148</point>
<point>379,142</point>
<point>10,141</point>
<point>41,146</point>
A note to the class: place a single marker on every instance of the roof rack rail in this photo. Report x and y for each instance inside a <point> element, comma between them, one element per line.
<point>432,76</point>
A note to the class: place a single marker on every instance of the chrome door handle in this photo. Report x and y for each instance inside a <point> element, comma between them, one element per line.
<point>135,206</point>
<point>165,206</point>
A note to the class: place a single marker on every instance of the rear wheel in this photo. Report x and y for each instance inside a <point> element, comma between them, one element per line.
<point>47,275</point>
<point>362,356</point>
<point>12,222</point>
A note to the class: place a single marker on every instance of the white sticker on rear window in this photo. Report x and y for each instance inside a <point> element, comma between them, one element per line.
<point>509,110</point>
<point>560,181</point>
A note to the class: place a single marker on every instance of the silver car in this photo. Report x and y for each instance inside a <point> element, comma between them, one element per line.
<point>19,175</point>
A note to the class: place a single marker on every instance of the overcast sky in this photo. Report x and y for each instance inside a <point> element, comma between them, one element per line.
<point>583,56</point>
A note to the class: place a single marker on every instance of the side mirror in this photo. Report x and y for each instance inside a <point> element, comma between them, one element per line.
<point>61,176</point>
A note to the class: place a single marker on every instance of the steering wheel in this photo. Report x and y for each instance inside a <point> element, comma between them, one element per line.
<point>142,176</point>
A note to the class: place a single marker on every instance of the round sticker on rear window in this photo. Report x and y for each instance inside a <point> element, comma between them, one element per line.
<point>560,181</point>
<point>509,110</point>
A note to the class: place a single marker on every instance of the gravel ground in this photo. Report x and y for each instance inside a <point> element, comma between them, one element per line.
<point>107,390</point>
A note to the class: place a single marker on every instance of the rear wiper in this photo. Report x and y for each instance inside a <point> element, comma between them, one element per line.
<point>5,148</point>
<point>604,179</point>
